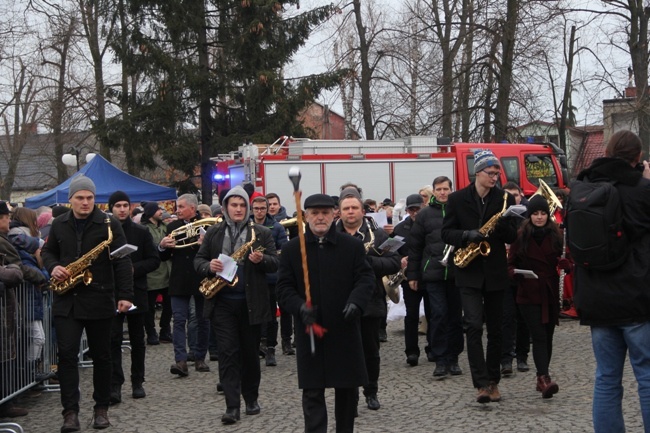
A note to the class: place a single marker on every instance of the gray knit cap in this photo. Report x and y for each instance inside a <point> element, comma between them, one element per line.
<point>81,183</point>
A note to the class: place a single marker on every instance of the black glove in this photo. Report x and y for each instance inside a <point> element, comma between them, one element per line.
<point>308,314</point>
<point>503,224</point>
<point>351,312</point>
<point>474,236</point>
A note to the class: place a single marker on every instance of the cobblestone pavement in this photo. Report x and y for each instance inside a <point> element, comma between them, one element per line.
<point>412,401</point>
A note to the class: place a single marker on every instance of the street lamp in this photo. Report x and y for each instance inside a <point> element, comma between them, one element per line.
<point>72,157</point>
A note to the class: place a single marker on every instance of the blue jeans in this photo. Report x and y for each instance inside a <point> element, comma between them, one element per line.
<point>611,343</point>
<point>181,314</point>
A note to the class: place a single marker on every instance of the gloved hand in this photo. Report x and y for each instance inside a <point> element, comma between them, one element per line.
<point>307,314</point>
<point>564,264</point>
<point>474,236</point>
<point>351,312</point>
<point>503,223</point>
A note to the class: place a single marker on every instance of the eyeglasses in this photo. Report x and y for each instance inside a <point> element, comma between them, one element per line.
<point>492,174</point>
<point>259,209</point>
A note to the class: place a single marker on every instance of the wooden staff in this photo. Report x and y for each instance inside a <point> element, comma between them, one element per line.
<point>315,328</point>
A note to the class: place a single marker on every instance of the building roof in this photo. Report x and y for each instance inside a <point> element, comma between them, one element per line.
<point>593,146</point>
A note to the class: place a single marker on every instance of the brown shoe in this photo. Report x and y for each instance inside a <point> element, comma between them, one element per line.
<point>12,411</point>
<point>495,395</point>
<point>179,368</point>
<point>100,418</point>
<point>483,395</point>
<point>200,365</point>
<point>70,422</point>
<point>546,386</point>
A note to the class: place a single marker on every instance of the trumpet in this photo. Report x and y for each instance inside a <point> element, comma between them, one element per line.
<point>445,255</point>
<point>188,235</point>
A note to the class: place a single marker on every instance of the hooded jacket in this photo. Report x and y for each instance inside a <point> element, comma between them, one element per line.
<point>619,296</point>
<point>227,237</point>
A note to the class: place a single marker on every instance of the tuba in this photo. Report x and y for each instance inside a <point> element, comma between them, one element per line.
<point>553,202</point>
<point>188,235</point>
<point>464,256</point>
<point>211,286</point>
<point>78,269</point>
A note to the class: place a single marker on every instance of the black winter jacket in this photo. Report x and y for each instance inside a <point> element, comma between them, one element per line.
<point>183,280</point>
<point>463,214</point>
<point>145,259</point>
<point>619,296</point>
<point>111,277</point>
<point>426,247</point>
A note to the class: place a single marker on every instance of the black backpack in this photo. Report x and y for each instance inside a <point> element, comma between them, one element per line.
<point>594,225</point>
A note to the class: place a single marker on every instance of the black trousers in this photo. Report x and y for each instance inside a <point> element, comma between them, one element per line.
<point>314,409</point>
<point>165,316</point>
<point>136,340</point>
<point>68,338</point>
<point>412,301</point>
<point>542,333</point>
<point>238,341</point>
<point>516,338</point>
<point>479,304</point>
<point>370,340</point>
<point>286,322</point>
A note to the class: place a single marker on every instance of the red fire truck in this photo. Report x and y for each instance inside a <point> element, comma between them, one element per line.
<point>382,168</point>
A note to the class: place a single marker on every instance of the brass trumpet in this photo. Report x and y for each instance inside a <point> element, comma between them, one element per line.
<point>188,235</point>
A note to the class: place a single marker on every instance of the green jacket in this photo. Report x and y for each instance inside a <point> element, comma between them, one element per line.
<point>158,279</point>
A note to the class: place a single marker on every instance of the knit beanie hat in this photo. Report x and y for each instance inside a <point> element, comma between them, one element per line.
<point>117,196</point>
<point>349,192</point>
<point>59,210</point>
<point>484,158</point>
<point>204,208</point>
<point>150,209</point>
<point>81,183</point>
<point>537,202</point>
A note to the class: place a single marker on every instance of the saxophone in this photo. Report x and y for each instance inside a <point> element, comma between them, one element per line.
<point>78,269</point>
<point>464,256</point>
<point>211,286</point>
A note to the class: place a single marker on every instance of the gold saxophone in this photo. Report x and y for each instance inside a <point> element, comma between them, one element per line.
<point>371,242</point>
<point>78,269</point>
<point>464,256</point>
<point>211,286</point>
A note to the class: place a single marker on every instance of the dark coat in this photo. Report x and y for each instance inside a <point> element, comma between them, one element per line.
<point>256,286</point>
<point>279,237</point>
<point>183,280</point>
<point>339,273</point>
<point>111,278</point>
<point>386,263</point>
<point>144,260</point>
<point>426,247</point>
<point>620,296</point>
<point>463,214</point>
<point>541,259</point>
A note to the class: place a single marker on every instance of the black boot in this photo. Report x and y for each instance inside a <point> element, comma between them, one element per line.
<point>270,357</point>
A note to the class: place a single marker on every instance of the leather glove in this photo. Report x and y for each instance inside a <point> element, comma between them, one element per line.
<point>351,312</point>
<point>308,314</point>
<point>503,223</point>
<point>474,236</point>
<point>564,264</point>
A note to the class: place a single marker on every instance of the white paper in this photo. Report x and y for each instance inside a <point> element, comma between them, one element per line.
<point>123,251</point>
<point>515,210</point>
<point>392,244</point>
<point>526,273</point>
<point>229,268</point>
<point>380,218</point>
<point>131,308</point>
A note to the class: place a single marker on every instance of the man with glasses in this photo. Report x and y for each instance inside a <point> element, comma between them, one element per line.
<point>262,217</point>
<point>426,273</point>
<point>482,282</point>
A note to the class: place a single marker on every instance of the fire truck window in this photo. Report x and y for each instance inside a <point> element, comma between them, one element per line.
<point>540,167</point>
<point>510,167</point>
<point>470,169</point>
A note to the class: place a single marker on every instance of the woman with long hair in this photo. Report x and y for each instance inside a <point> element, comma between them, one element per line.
<point>538,248</point>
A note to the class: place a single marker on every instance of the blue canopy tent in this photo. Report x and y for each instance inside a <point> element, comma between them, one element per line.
<point>108,179</point>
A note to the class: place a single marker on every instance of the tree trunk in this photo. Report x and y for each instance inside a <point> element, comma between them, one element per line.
<point>366,73</point>
<point>566,98</point>
<point>205,117</point>
<point>509,32</point>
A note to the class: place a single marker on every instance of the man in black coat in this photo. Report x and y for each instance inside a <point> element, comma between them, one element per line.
<point>616,303</point>
<point>482,280</point>
<point>145,259</point>
<point>425,272</point>
<point>238,310</point>
<point>91,307</point>
<point>184,285</point>
<point>383,263</point>
<point>341,284</point>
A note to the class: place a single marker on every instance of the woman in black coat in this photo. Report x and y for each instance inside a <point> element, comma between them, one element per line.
<point>538,248</point>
